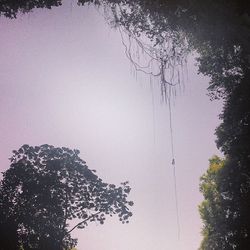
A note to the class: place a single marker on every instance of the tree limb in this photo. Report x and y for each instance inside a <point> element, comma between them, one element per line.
<point>78,224</point>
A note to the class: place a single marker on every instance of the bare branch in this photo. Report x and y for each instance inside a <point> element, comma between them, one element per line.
<point>78,224</point>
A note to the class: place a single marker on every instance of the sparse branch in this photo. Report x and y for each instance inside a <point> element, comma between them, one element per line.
<point>80,223</point>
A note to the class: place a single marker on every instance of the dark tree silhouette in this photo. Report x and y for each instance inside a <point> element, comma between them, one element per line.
<point>10,8</point>
<point>226,189</point>
<point>47,187</point>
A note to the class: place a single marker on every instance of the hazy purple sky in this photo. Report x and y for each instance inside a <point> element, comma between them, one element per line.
<point>65,81</point>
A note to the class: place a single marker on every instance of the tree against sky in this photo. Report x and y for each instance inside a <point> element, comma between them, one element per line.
<point>48,192</point>
<point>218,31</point>
<point>211,210</point>
<point>11,8</point>
<point>233,137</point>
<point>225,208</point>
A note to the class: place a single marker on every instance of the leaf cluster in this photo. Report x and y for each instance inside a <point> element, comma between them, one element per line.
<point>10,8</point>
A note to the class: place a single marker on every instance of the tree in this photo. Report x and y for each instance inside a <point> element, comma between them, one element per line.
<point>233,137</point>
<point>11,8</point>
<point>218,30</point>
<point>47,187</point>
<point>211,209</point>
<point>225,209</point>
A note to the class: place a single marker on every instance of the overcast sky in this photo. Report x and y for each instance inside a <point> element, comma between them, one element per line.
<point>65,81</point>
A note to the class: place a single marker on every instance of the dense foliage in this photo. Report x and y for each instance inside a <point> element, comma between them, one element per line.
<point>231,225</point>
<point>211,210</point>
<point>44,189</point>
<point>10,8</point>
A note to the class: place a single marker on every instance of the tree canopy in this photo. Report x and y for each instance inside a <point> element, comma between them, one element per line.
<point>225,208</point>
<point>48,192</point>
<point>218,30</point>
<point>230,228</point>
<point>211,210</point>
<point>11,8</point>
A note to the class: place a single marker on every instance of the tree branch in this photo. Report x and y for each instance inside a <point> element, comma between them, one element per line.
<point>78,224</point>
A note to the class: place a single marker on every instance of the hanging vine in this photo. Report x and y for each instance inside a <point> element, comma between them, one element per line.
<point>151,44</point>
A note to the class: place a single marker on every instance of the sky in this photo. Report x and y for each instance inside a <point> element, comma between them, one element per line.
<point>65,81</point>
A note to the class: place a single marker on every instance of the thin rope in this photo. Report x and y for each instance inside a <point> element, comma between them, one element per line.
<point>173,164</point>
<point>153,110</point>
